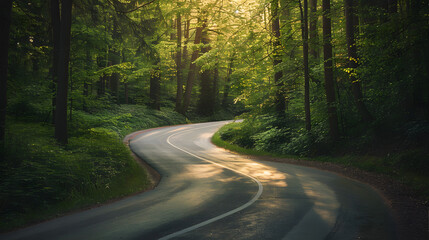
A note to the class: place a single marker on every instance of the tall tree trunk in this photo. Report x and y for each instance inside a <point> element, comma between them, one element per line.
<point>351,23</point>
<point>314,35</point>
<point>329,75</point>
<point>215,88</point>
<point>280,100</point>
<point>179,92</point>
<point>87,79</point>
<point>192,68</point>
<point>155,88</point>
<point>206,104</point>
<point>115,59</point>
<point>185,45</point>
<point>71,93</point>
<point>225,101</point>
<point>56,25</point>
<point>304,30</point>
<point>5,19</point>
<point>63,63</point>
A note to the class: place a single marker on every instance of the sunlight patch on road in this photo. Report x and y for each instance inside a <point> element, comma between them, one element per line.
<point>200,171</point>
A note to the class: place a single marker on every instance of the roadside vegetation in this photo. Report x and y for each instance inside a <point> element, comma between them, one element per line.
<point>42,179</point>
<point>404,158</point>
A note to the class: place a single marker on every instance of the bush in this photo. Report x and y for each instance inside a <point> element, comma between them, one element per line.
<point>412,160</point>
<point>272,139</point>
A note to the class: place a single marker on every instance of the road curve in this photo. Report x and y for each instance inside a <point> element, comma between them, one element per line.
<point>208,193</point>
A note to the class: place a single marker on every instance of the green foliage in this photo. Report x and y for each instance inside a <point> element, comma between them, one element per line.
<point>123,119</point>
<point>39,174</point>
<point>41,179</point>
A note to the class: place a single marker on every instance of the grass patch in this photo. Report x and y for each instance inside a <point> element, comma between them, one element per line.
<point>409,167</point>
<point>40,179</point>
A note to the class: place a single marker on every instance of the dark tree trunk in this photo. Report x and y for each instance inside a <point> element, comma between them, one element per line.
<point>126,93</point>
<point>215,88</point>
<point>55,21</point>
<point>179,92</point>
<point>115,59</point>
<point>86,80</point>
<point>225,100</point>
<point>192,69</point>
<point>206,101</point>
<point>155,89</point>
<point>280,100</point>
<point>185,46</point>
<point>351,23</point>
<point>329,75</point>
<point>304,30</point>
<point>5,19</point>
<point>71,93</point>
<point>314,35</point>
<point>63,63</point>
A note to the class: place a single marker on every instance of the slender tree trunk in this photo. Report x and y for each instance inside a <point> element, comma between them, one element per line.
<point>155,89</point>
<point>215,88</point>
<point>329,75</point>
<point>63,63</point>
<point>179,92</point>
<point>71,93</point>
<point>304,30</point>
<point>280,102</point>
<point>225,101</point>
<point>126,92</point>
<point>351,23</point>
<point>56,25</point>
<point>192,69</point>
<point>185,46</point>
<point>115,58</point>
<point>314,36</point>
<point>5,19</point>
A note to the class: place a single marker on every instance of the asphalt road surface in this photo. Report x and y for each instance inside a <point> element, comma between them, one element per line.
<point>207,193</point>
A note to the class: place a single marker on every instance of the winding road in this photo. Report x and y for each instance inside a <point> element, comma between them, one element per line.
<point>208,193</point>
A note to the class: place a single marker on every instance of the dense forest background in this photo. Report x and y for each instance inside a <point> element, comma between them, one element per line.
<point>310,78</point>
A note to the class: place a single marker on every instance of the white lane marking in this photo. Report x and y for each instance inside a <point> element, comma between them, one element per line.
<point>249,203</point>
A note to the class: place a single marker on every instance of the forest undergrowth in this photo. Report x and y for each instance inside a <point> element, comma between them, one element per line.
<point>401,154</point>
<point>42,179</point>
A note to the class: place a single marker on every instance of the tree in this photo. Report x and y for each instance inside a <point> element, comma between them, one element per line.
<point>351,23</point>
<point>329,74</point>
<point>314,38</point>
<point>225,101</point>
<point>5,19</point>
<point>179,92</point>
<point>206,101</point>
<point>192,68</point>
<point>55,21</point>
<point>280,101</point>
<point>155,88</point>
<point>63,73</point>
<point>304,30</point>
